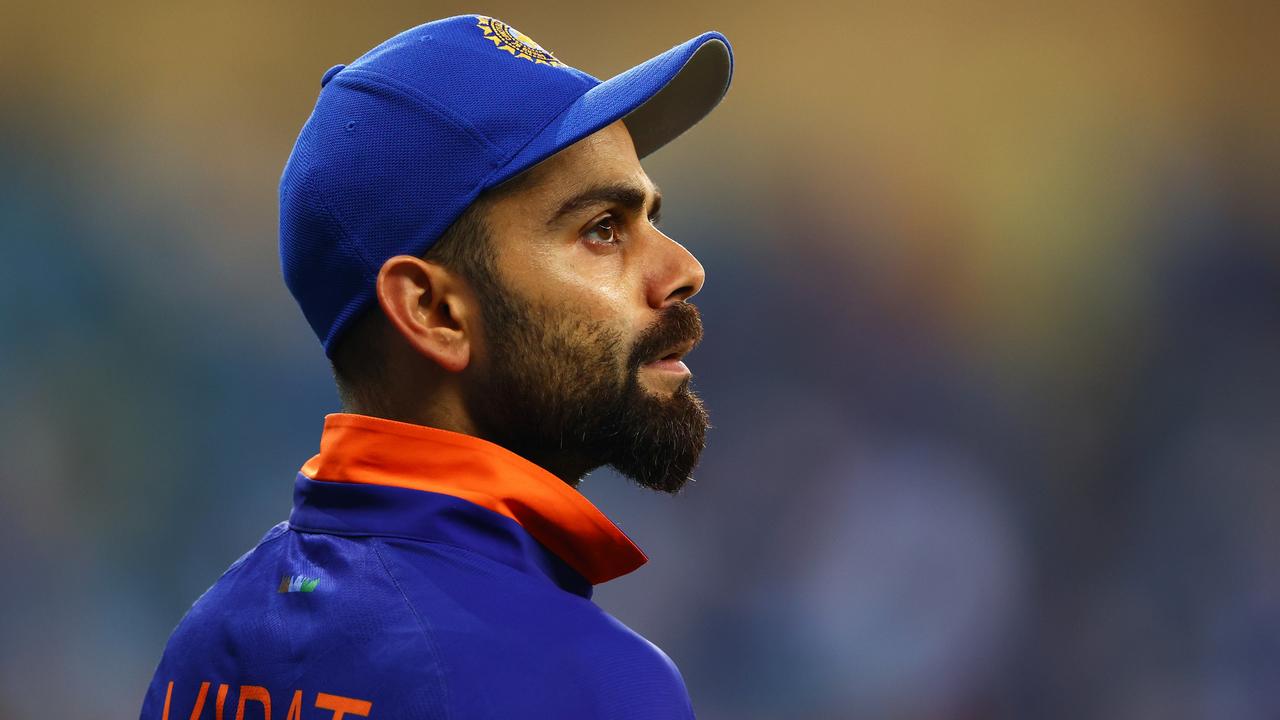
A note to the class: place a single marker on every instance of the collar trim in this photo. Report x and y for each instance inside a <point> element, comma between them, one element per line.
<point>377,451</point>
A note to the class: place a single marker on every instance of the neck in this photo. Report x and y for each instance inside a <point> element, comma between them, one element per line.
<point>568,467</point>
<point>444,415</point>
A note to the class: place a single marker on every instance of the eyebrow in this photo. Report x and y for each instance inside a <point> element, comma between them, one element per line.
<point>630,197</point>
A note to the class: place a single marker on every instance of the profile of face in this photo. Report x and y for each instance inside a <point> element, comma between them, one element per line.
<point>583,324</point>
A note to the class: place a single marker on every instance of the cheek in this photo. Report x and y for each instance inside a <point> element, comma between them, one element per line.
<point>599,286</point>
<point>595,284</point>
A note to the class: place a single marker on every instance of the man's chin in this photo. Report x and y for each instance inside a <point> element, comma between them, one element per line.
<point>668,480</point>
<point>662,441</point>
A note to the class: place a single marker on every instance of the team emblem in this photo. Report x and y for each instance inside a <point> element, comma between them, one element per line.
<point>515,42</point>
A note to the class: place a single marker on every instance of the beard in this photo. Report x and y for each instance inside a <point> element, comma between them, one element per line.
<point>564,392</point>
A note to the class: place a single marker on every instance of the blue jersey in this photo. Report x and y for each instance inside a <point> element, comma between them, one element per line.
<point>422,574</point>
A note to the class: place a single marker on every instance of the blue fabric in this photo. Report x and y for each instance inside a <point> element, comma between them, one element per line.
<point>404,138</point>
<point>423,605</point>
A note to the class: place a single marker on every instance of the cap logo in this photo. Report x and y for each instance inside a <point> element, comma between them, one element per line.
<point>507,38</point>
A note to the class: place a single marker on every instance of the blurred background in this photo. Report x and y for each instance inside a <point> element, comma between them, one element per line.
<point>992,347</point>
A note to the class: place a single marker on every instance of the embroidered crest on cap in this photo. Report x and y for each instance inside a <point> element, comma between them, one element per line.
<point>515,42</point>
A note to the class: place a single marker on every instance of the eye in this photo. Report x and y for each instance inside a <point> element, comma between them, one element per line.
<point>604,231</point>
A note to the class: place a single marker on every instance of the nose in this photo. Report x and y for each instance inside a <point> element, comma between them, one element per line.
<point>678,275</point>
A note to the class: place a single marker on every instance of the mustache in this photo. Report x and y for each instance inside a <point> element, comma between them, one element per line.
<point>679,323</point>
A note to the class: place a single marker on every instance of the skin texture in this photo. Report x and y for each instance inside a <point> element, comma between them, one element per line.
<point>626,284</point>
<point>551,357</point>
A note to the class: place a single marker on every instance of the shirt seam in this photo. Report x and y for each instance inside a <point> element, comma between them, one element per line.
<point>539,575</point>
<point>269,538</point>
<point>422,626</point>
<point>375,535</point>
<point>234,567</point>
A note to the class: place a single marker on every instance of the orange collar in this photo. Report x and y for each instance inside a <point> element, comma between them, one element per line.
<point>364,449</point>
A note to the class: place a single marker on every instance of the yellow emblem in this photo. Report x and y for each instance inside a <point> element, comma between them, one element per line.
<point>515,42</point>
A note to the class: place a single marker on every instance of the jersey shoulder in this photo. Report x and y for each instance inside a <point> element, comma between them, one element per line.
<point>301,619</point>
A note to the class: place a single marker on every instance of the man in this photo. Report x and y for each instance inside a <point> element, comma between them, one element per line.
<point>467,227</point>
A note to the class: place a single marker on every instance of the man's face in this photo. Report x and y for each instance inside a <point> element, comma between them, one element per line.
<point>584,322</point>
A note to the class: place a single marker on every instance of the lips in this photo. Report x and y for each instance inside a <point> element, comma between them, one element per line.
<point>674,353</point>
<point>662,345</point>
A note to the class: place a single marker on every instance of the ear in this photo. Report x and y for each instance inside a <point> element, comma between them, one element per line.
<point>430,307</point>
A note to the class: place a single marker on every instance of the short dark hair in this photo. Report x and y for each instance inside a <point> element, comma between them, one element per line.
<point>359,360</point>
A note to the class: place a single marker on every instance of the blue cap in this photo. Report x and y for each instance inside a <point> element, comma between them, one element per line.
<point>404,138</point>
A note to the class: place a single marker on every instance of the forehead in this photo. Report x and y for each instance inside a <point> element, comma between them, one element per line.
<point>606,157</point>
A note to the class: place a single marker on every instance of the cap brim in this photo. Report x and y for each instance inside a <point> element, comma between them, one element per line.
<point>658,99</point>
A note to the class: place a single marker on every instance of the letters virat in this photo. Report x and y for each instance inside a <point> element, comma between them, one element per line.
<point>251,696</point>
